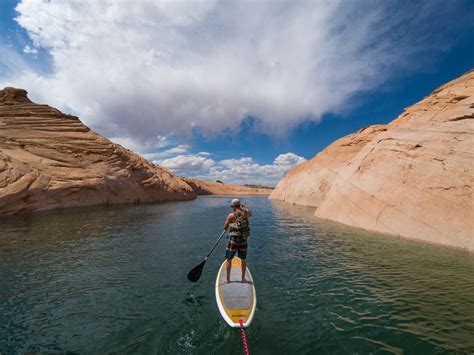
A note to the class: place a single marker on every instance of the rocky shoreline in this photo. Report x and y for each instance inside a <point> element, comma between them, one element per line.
<point>411,178</point>
<point>50,160</point>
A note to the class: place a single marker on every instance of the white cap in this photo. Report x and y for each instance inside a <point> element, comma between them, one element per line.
<point>235,202</point>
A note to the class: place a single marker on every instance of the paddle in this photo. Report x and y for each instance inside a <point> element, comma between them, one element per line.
<point>195,273</point>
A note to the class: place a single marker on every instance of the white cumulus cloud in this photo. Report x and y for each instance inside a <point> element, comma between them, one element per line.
<point>176,150</point>
<point>158,142</point>
<point>288,159</point>
<point>241,171</point>
<point>140,69</point>
<point>188,165</point>
<point>29,50</point>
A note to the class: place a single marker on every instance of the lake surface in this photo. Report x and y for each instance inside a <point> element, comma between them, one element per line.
<point>113,279</point>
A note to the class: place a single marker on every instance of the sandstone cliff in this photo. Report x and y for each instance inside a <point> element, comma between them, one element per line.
<point>411,178</point>
<point>51,160</point>
<point>202,187</point>
<point>308,183</point>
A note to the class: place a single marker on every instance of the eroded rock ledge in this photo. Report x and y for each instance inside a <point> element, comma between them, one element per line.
<point>51,160</point>
<point>411,178</point>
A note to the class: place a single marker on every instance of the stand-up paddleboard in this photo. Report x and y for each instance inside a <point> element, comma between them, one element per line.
<point>236,300</point>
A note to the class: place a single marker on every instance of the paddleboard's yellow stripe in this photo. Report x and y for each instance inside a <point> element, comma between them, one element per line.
<point>236,314</point>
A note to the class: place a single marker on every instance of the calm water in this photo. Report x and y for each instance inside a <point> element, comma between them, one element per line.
<point>100,280</point>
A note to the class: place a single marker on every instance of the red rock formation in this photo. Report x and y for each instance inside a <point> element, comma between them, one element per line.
<point>411,178</point>
<point>298,185</point>
<point>52,160</point>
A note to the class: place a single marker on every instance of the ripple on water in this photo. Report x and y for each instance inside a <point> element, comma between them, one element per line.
<point>99,280</point>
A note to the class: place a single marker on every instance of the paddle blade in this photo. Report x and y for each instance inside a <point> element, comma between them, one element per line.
<point>195,273</point>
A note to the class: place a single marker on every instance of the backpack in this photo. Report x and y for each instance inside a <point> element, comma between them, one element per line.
<point>240,228</point>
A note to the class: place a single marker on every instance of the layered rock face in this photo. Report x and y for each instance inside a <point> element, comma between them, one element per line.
<point>308,183</point>
<point>51,160</point>
<point>411,178</point>
<point>202,187</point>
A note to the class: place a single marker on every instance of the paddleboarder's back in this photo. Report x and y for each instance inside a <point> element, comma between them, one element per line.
<point>238,221</point>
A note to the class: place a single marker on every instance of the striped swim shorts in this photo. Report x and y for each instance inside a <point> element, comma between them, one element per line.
<point>234,245</point>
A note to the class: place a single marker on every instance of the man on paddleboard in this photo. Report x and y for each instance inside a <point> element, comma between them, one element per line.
<point>239,231</point>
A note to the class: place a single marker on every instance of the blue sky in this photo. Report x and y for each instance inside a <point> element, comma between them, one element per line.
<point>236,91</point>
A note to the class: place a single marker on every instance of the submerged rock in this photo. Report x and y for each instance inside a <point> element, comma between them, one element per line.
<point>411,178</point>
<point>51,160</point>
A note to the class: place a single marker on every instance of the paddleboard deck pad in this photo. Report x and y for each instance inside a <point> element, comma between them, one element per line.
<point>236,300</point>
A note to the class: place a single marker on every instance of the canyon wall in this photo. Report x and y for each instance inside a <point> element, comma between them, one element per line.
<point>51,160</point>
<point>411,178</point>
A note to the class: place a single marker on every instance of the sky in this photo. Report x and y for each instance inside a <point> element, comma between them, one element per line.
<point>238,91</point>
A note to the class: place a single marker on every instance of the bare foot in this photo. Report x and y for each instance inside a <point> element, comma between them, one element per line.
<point>225,281</point>
<point>244,279</point>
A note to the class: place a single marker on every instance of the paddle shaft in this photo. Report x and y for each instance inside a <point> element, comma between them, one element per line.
<point>215,244</point>
<point>195,273</point>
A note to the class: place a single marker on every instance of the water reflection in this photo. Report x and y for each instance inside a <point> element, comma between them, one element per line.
<point>113,279</point>
<point>402,284</point>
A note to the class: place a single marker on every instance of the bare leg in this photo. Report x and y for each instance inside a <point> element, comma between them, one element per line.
<point>244,268</point>
<point>228,266</point>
